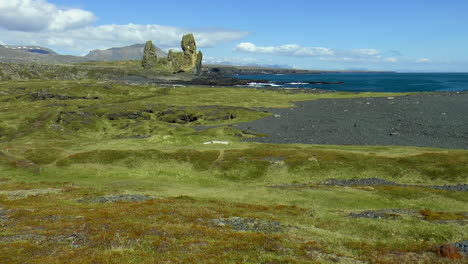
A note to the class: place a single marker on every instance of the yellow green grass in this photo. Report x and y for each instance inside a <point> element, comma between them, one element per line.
<point>54,152</point>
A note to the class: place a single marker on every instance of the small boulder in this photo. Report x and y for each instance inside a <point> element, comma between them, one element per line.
<point>462,247</point>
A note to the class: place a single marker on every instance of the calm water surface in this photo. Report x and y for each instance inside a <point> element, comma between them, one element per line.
<point>368,82</point>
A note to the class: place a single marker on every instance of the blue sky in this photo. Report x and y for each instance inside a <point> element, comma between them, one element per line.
<point>411,35</point>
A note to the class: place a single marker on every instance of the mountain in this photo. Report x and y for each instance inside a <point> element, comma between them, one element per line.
<point>24,54</point>
<point>133,52</point>
<point>32,49</point>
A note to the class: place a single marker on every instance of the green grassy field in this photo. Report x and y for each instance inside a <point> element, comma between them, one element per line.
<point>66,144</point>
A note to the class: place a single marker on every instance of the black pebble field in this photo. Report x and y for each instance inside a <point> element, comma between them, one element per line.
<point>425,120</point>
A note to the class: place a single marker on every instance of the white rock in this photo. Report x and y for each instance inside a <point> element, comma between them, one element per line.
<point>216,142</point>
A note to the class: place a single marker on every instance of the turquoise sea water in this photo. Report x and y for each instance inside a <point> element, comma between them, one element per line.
<point>368,82</point>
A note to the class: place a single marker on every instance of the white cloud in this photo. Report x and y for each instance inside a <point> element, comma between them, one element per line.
<point>38,22</point>
<point>213,37</point>
<point>365,52</point>
<point>320,53</point>
<point>82,40</point>
<point>37,15</point>
<point>230,60</point>
<point>391,59</point>
<point>423,60</point>
<point>337,59</point>
<point>288,49</point>
<point>70,19</point>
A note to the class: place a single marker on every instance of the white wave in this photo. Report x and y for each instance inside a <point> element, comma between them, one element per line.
<point>255,84</point>
<point>297,83</point>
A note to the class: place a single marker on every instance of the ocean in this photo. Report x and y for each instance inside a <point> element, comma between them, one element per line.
<point>366,82</point>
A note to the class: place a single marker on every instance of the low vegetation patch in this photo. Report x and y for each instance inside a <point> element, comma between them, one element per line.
<point>101,172</point>
<point>431,215</point>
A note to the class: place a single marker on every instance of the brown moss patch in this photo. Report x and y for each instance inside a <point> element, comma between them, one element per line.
<point>434,216</point>
<point>448,251</point>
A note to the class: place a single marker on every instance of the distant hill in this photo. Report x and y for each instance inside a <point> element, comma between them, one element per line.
<point>32,49</point>
<point>133,52</point>
<point>24,54</point>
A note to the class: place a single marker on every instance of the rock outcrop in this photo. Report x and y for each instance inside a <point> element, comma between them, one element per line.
<point>150,58</point>
<point>187,61</point>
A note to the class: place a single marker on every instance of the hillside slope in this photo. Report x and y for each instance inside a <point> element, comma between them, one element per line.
<point>132,52</point>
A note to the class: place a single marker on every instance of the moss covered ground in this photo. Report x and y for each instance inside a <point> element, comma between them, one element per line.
<point>64,143</point>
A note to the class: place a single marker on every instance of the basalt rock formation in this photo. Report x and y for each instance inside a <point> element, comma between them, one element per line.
<point>187,61</point>
<point>150,58</point>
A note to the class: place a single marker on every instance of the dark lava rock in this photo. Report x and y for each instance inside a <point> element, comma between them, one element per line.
<point>366,182</point>
<point>249,224</point>
<point>126,115</point>
<point>44,95</point>
<point>368,214</point>
<point>188,118</point>
<point>178,115</point>
<point>384,213</point>
<point>116,198</point>
<point>67,118</point>
<point>457,187</point>
<point>168,112</point>
<point>462,247</point>
<point>377,182</point>
<point>41,96</point>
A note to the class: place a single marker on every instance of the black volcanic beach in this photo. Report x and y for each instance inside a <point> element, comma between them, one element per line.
<point>424,120</point>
